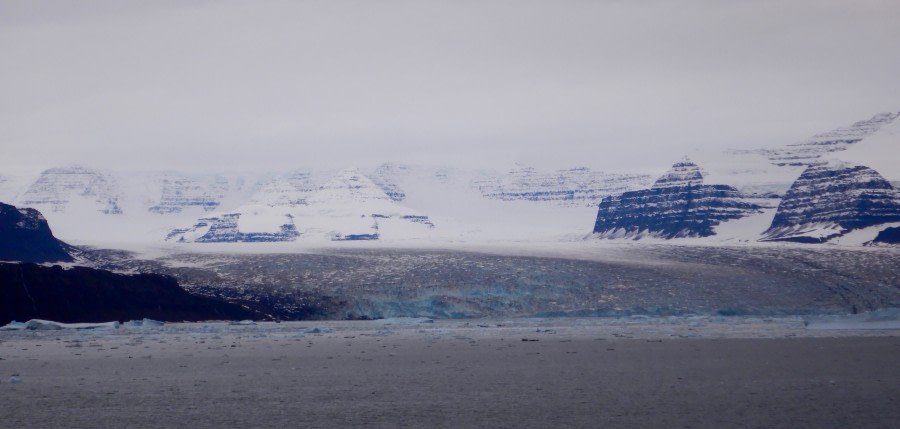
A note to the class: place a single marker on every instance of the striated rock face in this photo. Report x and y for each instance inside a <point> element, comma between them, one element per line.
<point>682,173</point>
<point>349,187</point>
<point>288,190</point>
<point>58,188</point>
<point>677,205</point>
<point>575,186</point>
<point>384,175</point>
<point>25,236</point>
<point>831,199</point>
<point>813,150</point>
<point>180,193</point>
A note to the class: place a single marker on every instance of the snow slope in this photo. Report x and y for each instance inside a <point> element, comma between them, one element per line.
<point>879,151</point>
<point>349,206</point>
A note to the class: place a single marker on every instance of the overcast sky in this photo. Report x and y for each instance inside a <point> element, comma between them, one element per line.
<point>225,85</point>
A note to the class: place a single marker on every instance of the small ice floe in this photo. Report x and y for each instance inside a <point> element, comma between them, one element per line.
<point>13,326</point>
<point>317,330</point>
<point>143,323</point>
<point>405,320</point>
<point>242,322</point>
<point>48,325</point>
<point>885,318</point>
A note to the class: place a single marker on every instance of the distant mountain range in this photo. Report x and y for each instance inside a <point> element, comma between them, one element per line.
<point>825,200</point>
<point>836,187</point>
<point>390,202</point>
<point>350,206</point>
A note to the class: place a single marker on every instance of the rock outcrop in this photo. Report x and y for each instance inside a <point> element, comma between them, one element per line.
<point>25,236</point>
<point>830,199</point>
<point>224,229</point>
<point>579,186</point>
<point>889,235</point>
<point>677,205</point>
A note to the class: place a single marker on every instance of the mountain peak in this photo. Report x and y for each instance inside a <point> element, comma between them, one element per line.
<point>683,173</point>
<point>348,185</point>
<point>830,199</point>
<point>27,237</point>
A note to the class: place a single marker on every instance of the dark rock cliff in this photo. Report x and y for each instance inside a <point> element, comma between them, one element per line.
<point>25,236</point>
<point>888,236</point>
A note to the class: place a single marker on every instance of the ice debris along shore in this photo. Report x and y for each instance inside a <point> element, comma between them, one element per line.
<point>881,322</point>
<point>49,325</point>
<point>885,318</point>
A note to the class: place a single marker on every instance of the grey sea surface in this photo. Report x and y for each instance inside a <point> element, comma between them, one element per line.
<point>698,371</point>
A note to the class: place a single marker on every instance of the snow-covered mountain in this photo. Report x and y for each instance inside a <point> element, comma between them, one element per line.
<point>719,196</point>
<point>91,205</point>
<point>349,206</point>
<point>76,188</point>
<point>879,151</point>
<point>385,175</point>
<point>394,201</point>
<point>772,171</point>
<point>575,186</point>
<point>402,201</point>
<point>678,205</point>
<point>819,197</point>
<point>184,192</point>
<point>288,189</point>
<point>831,199</point>
<point>821,145</point>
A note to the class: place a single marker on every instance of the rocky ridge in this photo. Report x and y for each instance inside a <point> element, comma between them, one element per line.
<point>830,199</point>
<point>678,205</point>
<point>58,188</point>
<point>25,236</point>
<point>820,146</point>
<point>574,186</point>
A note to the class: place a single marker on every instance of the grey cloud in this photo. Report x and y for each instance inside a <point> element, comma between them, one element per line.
<point>278,84</point>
